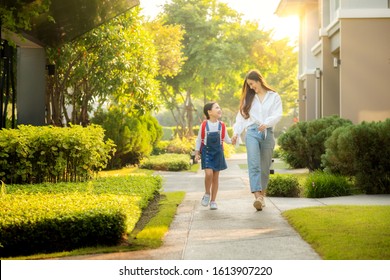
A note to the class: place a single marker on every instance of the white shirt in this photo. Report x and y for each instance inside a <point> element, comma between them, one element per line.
<point>268,112</point>
<point>213,126</point>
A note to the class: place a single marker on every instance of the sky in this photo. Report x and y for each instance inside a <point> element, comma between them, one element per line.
<point>261,11</point>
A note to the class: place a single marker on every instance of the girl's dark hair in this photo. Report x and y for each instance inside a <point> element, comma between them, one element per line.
<point>248,94</point>
<point>206,109</point>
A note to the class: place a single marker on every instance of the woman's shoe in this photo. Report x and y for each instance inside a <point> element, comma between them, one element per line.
<point>213,205</point>
<point>258,204</point>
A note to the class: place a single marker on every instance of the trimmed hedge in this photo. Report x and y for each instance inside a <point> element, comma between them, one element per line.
<point>167,162</point>
<point>51,223</point>
<point>283,185</point>
<point>31,154</point>
<point>55,217</point>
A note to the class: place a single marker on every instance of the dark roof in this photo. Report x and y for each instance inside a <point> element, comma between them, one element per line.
<point>72,19</point>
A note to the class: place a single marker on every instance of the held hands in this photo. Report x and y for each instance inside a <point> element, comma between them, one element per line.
<point>234,139</point>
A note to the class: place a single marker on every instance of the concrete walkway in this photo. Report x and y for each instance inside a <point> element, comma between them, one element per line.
<point>236,231</point>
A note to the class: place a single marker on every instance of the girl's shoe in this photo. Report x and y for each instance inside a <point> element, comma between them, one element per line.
<point>213,205</point>
<point>205,200</point>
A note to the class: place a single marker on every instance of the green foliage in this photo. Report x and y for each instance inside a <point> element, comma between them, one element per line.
<point>115,62</point>
<point>277,153</point>
<point>64,216</point>
<point>303,144</point>
<point>168,162</point>
<point>362,151</point>
<point>18,15</point>
<point>168,133</point>
<point>37,154</point>
<point>226,47</point>
<point>134,137</point>
<point>180,145</point>
<point>54,223</point>
<point>160,148</point>
<point>321,184</point>
<point>283,186</point>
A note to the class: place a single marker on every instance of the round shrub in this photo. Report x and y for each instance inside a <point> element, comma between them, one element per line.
<point>180,145</point>
<point>321,184</point>
<point>303,143</point>
<point>362,151</point>
<point>283,186</point>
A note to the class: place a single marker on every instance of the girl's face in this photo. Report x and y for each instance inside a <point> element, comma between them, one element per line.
<point>215,112</point>
<point>255,85</point>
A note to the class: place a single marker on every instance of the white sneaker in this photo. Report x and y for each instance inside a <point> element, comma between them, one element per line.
<point>205,200</point>
<point>213,205</point>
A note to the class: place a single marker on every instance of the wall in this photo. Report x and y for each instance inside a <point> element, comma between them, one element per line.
<point>365,69</point>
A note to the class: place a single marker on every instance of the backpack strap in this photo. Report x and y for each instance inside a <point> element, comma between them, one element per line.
<point>203,133</point>
<point>223,132</point>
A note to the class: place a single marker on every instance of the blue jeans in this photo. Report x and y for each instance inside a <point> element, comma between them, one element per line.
<point>259,154</point>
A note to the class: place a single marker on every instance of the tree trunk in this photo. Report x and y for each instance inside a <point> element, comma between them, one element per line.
<point>190,118</point>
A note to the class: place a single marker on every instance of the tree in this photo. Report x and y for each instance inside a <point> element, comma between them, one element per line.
<point>278,61</point>
<point>114,63</point>
<point>18,15</point>
<point>167,39</point>
<point>210,45</point>
<point>220,49</point>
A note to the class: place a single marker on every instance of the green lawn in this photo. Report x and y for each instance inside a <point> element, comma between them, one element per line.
<point>344,232</point>
<point>334,232</point>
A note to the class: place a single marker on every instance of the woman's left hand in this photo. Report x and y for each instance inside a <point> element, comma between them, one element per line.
<point>262,127</point>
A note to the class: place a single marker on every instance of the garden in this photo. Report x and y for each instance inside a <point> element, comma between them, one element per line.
<point>60,199</point>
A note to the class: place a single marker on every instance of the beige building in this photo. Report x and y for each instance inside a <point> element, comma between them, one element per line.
<point>344,58</point>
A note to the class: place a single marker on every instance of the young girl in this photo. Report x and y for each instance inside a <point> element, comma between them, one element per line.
<point>209,145</point>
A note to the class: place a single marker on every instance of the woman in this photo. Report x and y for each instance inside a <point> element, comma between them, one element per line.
<point>260,111</point>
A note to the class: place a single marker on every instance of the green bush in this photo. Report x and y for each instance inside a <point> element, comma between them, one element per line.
<point>303,144</point>
<point>160,148</point>
<point>167,162</point>
<point>181,146</point>
<point>49,223</point>
<point>168,133</point>
<point>134,136</point>
<point>283,186</point>
<point>54,217</point>
<point>32,154</point>
<point>321,184</point>
<point>362,151</point>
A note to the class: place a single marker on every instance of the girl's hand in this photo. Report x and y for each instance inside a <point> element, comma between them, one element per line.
<point>234,139</point>
<point>197,156</point>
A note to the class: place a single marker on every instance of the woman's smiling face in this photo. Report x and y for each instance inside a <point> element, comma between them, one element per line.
<point>255,85</point>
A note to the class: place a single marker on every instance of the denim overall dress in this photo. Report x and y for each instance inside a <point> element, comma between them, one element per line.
<point>212,153</point>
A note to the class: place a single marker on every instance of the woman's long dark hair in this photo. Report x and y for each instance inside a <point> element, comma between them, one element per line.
<point>248,94</point>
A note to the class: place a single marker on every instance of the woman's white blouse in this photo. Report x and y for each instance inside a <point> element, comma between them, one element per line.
<point>268,112</point>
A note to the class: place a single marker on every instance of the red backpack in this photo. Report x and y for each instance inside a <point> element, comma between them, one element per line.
<point>203,132</point>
